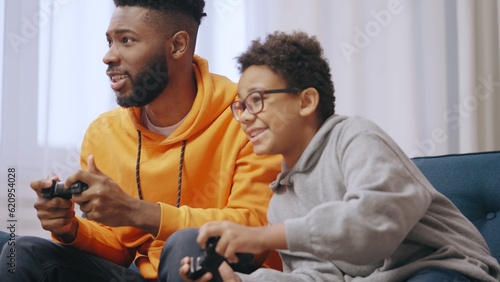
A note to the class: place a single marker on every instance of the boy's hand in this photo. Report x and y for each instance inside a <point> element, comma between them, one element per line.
<point>234,238</point>
<point>225,271</point>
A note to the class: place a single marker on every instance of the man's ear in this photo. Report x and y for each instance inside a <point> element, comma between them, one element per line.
<point>179,44</point>
<point>309,99</point>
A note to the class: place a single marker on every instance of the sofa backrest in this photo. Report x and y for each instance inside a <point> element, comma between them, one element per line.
<point>472,182</point>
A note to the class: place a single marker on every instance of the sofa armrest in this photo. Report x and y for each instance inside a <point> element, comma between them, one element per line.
<point>472,182</point>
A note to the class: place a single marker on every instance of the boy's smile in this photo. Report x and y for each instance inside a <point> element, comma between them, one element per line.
<point>277,129</point>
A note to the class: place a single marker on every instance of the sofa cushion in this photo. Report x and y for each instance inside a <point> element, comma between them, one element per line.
<point>472,182</point>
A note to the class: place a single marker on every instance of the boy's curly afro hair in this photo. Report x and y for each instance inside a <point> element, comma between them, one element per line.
<point>299,59</point>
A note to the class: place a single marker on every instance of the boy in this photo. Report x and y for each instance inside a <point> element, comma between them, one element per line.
<point>349,205</point>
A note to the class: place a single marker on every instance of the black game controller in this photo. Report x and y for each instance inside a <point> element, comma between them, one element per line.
<point>210,261</point>
<point>57,190</point>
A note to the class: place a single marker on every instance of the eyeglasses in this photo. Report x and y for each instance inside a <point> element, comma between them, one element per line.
<point>254,102</point>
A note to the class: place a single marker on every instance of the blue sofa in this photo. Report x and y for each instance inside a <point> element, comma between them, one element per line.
<point>472,182</point>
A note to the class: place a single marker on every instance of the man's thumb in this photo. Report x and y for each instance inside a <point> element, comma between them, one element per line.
<point>92,166</point>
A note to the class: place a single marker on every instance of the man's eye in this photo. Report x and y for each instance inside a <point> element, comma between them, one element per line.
<point>126,40</point>
<point>109,42</point>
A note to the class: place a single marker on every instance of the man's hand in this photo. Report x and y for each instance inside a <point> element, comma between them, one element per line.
<point>225,271</point>
<point>56,215</point>
<point>105,202</point>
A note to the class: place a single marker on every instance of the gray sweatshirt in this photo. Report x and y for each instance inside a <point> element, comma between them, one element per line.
<point>356,208</point>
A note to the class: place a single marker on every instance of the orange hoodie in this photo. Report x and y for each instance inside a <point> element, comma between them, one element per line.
<point>222,179</point>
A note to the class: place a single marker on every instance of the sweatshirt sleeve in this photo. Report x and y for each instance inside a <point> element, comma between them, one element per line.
<point>100,240</point>
<point>246,204</point>
<point>304,274</point>
<point>384,199</point>
<point>93,237</point>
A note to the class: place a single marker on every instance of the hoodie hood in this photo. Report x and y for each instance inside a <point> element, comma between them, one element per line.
<point>209,104</point>
<point>310,155</point>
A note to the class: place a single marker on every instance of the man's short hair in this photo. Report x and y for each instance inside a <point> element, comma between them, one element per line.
<point>192,8</point>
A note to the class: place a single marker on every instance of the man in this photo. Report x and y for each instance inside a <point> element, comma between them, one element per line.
<point>171,157</point>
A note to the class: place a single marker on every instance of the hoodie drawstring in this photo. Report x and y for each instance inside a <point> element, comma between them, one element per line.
<point>138,165</point>
<point>179,177</point>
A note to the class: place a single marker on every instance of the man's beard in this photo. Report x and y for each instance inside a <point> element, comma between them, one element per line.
<point>147,84</point>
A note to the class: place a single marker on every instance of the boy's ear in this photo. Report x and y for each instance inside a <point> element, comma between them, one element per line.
<point>179,44</point>
<point>309,99</point>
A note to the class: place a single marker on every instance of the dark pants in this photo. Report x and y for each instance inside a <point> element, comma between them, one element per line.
<point>4,238</point>
<point>38,259</point>
<point>434,274</point>
<point>179,245</point>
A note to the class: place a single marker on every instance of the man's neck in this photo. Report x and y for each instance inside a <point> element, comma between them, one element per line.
<point>171,106</point>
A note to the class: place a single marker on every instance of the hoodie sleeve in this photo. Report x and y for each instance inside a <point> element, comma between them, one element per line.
<point>100,240</point>
<point>96,238</point>
<point>384,199</point>
<point>305,274</point>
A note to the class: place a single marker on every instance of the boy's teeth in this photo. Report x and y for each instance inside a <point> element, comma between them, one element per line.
<point>255,133</point>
